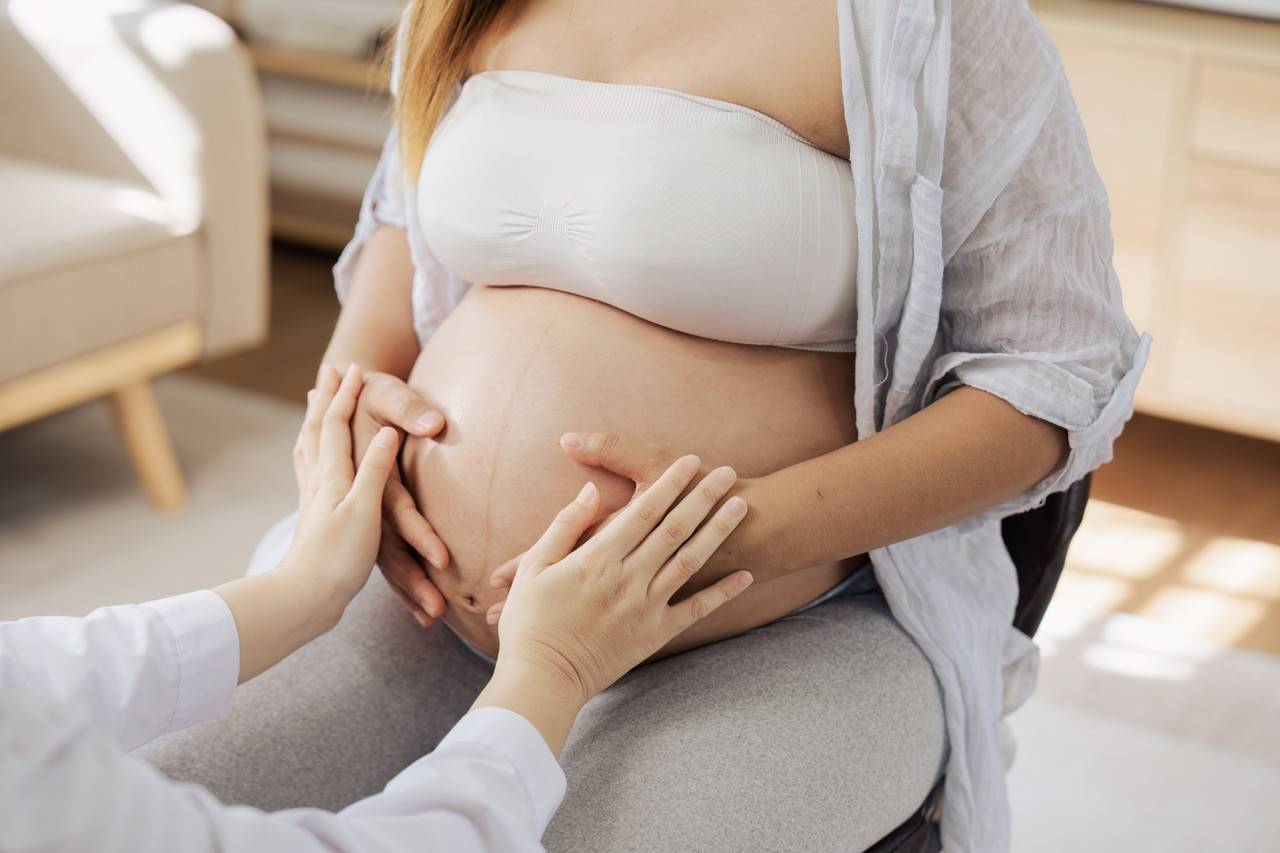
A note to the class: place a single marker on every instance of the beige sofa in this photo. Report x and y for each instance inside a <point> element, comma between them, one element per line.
<point>133,209</point>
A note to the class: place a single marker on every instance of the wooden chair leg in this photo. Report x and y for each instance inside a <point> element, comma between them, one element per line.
<point>143,430</point>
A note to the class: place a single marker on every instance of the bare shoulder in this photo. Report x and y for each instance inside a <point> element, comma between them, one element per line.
<point>796,67</point>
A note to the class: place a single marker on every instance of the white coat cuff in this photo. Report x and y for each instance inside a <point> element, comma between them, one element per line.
<point>511,735</point>
<point>206,647</point>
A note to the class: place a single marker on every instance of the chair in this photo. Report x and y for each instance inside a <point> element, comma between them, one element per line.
<point>1037,541</point>
<point>133,226</point>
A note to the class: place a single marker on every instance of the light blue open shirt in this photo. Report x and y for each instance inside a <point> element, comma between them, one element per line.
<point>984,259</point>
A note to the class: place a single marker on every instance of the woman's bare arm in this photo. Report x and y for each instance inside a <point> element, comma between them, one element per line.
<point>967,452</point>
<point>375,328</point>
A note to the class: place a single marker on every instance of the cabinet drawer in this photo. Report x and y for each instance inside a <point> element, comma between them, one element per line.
<point>1236,116</point>
<point>1226,344</point>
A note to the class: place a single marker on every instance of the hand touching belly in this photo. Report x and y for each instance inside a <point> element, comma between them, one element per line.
<point>512,369</point>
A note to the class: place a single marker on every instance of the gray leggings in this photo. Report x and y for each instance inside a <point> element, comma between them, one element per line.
<point>821,731</point>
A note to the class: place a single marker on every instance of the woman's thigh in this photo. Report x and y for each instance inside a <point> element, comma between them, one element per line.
<point>822,731</point>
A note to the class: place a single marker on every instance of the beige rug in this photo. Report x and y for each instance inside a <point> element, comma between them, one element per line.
<point>1138,739</point>
<point>76,530</point>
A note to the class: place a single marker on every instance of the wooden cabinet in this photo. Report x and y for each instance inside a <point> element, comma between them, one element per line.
<point>1226,320</point>
<point>1182,109</point>
<point>1128,104</point>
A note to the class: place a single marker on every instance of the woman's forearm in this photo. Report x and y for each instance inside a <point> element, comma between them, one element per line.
<point>375,328</point>
<point>965,453</point>
<point>276,613</point>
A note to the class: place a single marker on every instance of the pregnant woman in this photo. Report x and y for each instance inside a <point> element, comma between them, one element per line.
<point>722,229</point>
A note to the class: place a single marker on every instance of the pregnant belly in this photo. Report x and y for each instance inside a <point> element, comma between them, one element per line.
<point>513,368</point>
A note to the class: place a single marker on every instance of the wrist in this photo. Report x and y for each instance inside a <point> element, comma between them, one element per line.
<point>541,694</point>
<point>320,601</point>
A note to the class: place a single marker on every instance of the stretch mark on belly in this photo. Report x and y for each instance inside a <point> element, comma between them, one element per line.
<point>486,557</point>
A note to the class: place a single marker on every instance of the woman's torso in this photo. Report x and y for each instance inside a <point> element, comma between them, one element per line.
<point>512,368</point>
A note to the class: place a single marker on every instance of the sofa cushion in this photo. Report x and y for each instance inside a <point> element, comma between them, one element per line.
<point>86,262</point>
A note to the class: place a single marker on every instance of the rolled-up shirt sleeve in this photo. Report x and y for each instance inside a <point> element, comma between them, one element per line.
<point>1032,309</point>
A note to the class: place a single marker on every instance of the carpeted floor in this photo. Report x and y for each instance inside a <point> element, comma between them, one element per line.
<point>76,530</point>
<point>1139,738</point>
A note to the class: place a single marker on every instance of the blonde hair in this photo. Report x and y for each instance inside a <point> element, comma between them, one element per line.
<point>438,39</point>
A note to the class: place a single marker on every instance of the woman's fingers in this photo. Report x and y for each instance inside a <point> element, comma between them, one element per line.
<point>412,525</point>
<point>682,521</point>
<point>693,555</point>
<point>638,461</point>
<point>379,459</point>
<point>307,448</point>
<point>335,430</point>
<point>702,604</point>
<point>420,616</point>
<point>407,579</point>
<point>639,518</point>
<point>395,403</point>
<point>494,613</point>
<point>569,524</point>
<point>506,573</point>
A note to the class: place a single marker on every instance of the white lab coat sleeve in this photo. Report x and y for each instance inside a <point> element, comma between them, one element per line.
<point>491,785</point>
<point>74,691</point>
<point>133,671</point>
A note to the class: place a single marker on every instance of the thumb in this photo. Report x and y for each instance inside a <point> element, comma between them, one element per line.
<point>396,404</point>
<point>375,467</point>
<point>638,461</point>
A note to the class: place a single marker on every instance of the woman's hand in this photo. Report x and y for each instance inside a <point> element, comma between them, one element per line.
<point>339,517</point>
<point>406,534</point>
<point>339,523</point>
<point>643,464</point>
<point>576,620</point>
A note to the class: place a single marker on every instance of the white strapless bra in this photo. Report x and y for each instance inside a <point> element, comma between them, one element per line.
<point>700,215</point>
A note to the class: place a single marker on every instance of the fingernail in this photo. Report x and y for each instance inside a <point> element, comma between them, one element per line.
<point>386,437</point>
<point>497,582</point>
<point>352,369</point>
<point>587,493</point>
<point>422,620</point>
<point>491,618</point>
<point>690,464</point>
<point>429,422</point>
<point>723,476</point>
<point>736,506</point>
<point>571,439</point>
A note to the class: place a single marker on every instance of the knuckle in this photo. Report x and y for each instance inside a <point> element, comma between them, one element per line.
<point>608,443</point>
<point>407,407</point>
<point>649,514</point>
<point>699,607</point>
<point>675,532</point>
<point>687,564</point>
